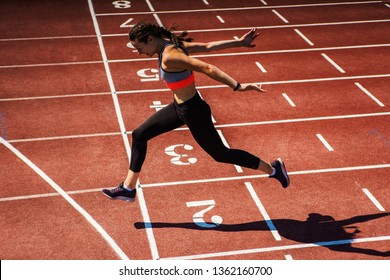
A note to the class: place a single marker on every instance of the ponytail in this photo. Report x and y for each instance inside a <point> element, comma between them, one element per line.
<point>176,39</point>
<point>142,30</point>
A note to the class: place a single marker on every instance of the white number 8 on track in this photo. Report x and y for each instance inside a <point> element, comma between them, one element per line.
<point>122,4</point>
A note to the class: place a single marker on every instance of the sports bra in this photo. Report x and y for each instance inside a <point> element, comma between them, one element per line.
<point>175,80</point>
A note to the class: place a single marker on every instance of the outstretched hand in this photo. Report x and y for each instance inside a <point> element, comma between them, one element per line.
<point>249,37</point>
<point>247,87</point>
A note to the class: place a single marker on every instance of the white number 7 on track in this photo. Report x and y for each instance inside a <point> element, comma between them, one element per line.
<point>198,216</point>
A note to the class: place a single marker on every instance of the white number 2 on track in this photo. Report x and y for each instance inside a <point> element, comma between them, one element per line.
<point>198,217</point>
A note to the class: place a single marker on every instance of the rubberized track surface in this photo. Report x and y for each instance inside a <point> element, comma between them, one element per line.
<point>71,92</point>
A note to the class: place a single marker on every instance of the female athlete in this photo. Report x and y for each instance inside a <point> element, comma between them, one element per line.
<point>188,108</point>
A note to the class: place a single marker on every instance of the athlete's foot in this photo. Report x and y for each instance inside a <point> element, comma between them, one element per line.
<point>280,172</point>
<point>120,193</point>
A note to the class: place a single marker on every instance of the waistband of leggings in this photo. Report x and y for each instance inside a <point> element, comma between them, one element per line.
<point>192,100</point>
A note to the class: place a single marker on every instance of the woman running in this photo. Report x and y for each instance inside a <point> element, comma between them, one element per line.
<point>188,108</point>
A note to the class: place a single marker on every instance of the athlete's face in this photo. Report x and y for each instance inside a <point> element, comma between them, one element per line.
<point>147,48</point>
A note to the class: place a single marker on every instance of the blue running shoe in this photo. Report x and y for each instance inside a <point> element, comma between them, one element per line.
<point>281,173</point>
<point>120,193</point>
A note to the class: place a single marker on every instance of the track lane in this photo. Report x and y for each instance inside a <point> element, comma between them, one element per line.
<point>59,117</point>
<point>93,143</point>
<point>29,19</point>
<point>48,51</point>
<point>48,228</point>
<point>10,166</point>
<point>288,216</point>
<point>278,66</point>
<point>175,228</point>
<point>335,13</point>
<point>314,99</point>
<point>353,141</point>
<point>347,35</point>
<point>52,80</point>
<point>71,162</point>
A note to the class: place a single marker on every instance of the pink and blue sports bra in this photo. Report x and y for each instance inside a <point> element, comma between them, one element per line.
<point>175,80</point>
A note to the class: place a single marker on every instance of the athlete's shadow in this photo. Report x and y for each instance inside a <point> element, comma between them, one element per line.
<point>319,229</point>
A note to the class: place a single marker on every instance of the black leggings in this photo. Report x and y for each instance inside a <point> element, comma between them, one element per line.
<point>196,114</point>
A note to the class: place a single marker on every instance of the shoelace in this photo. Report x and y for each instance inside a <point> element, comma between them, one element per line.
<point>118,189</point>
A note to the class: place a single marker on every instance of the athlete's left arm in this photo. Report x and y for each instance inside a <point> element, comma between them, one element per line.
<point>177,60</point>
<point>245,41</point>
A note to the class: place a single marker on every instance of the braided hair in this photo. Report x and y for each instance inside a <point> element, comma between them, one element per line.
<point>143,29</point>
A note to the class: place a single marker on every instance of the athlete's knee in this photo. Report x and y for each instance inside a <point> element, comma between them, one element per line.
<point>137,135</point>
<point>221,155</point>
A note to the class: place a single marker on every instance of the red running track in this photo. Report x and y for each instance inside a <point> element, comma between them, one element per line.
<point>67,115</point>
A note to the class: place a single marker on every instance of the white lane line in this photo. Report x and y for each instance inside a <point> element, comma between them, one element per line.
<point>147,222</point>
<point>304,37</point>
<point>70,200</point>
<point>109,78</point>
<point>302,120</point>
<point>333,63</point>
<point>205,2</point>
<point>141,200</point>
<point>373,199</point>
<point>217,126</point>
<point>220,19</point>
<point>281,26</point>
<point>280,16</point>
<point>35,196</point>
<point>387,5</point>
<point>264,3</point>
<point>140,193</point>
<point>208,87</point>
<point>288,99</point>
<point>306,119</point>
<point>55,96</point>
<point>250,177</point>
<point>50,64</point>
<point>281,248</point>
<point>370,95</point>
<point>206,55</point>
<point>153,11</point>
<point>261,67</point>
<point>79,136</point>
<point>340,117</point>
<point>238,168</point>
<point>240,8</point>
<point>202,181</point>
<point>32,196</point>
<point>211,30</point>
<point>288,257</point>
<point>267,83</point>
<point>207,30</point>
<point>48,38</point>
<point>326,144</point>
<point>263,212</point>
<point>265,52</point>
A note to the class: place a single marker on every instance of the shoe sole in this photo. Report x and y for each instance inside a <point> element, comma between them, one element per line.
<point>284,172</point>
<point>123,198</point>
